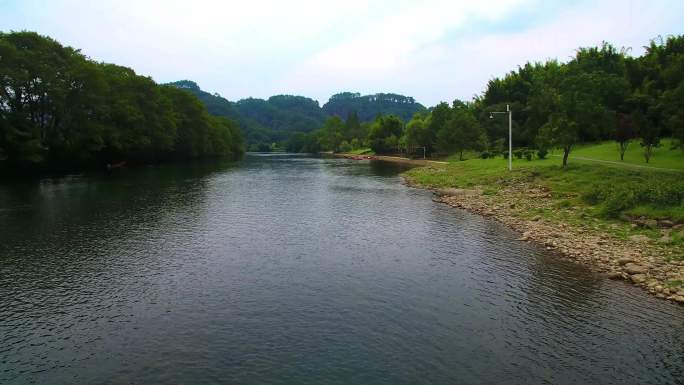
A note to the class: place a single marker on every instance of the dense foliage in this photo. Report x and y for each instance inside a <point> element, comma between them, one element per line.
<point>601,94</point>
<point>367,107</point>
<point>291,120</point>
<point>263,122</point>
<point>59,110</point>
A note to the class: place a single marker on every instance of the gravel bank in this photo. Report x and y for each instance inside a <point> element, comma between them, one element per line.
<point>639,260</point>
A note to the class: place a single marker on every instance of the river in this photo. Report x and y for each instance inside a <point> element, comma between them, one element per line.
<point>287,269</point>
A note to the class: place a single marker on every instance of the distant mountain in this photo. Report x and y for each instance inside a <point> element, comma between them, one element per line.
<point>279,117</point>
<point>369,106</point>
<point>216,105</point>
<point>263,121</point>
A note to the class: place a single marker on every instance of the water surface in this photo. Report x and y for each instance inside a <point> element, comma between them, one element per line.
<point>293,270</point>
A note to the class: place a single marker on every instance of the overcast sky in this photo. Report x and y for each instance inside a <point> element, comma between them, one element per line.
<point>431,50</point>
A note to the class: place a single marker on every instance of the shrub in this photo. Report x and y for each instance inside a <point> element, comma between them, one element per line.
<point>620,197</point>
<point>485,155</point>
<point>528,155</point>
<point>518,153</point>
<point>541,153</point>
<point>504,154</point>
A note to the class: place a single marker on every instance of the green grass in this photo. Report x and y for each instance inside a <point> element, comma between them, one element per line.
<point>676,212</point>
<point>585,193</point>
<point>360,151</point>
<point>664,156</point>
<point>574,183</point>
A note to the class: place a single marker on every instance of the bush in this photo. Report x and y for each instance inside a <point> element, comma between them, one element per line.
<point>518,153</point>
<point>528,155</point>
<point>621,197</point>
<point>485,155</point>
<point>345,146</point>
<point>505,154</point>
<point>541,153</point>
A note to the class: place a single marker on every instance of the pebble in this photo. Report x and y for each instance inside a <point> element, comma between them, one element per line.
<point>632,268</point>
<point>638,278</point>
<point>625,260</point>
<point>639,238</point>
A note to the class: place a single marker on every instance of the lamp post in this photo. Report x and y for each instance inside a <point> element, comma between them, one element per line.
<point>510,132</point>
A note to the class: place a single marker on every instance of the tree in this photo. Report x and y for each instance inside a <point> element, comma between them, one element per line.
<point>624,133</point>
<point>462,132</point>
<point>418,134</point>
<point>352,127</point>
<point>59,110</point>
<point>332,133</point>
<point>560,131</point>
<point>385,133</point>
<point>648,132</point>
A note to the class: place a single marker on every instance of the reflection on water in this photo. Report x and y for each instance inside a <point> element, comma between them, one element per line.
<point>288,269</point>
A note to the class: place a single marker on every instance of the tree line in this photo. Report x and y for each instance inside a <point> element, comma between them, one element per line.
<point>602,93</point>
<point>60,110</point>
<point>287,120</point>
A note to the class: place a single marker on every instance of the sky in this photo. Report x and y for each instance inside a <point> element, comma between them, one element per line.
<point>432,50</point>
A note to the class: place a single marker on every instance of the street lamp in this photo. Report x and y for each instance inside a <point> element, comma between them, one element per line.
<point>510,132</point>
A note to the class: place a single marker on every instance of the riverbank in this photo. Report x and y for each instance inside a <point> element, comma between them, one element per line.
<point>550,206</point>
<point>395,159</point>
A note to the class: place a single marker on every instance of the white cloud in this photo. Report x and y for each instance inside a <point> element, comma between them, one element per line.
<point>432,49</point>
<point>419,59</point>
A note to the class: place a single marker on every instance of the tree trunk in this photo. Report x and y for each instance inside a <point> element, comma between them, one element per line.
<point>566,152</point>
<point>623,149</point>
<point>647,152</point>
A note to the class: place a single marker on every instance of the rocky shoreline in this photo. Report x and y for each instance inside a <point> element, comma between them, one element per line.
<point>635,259</point>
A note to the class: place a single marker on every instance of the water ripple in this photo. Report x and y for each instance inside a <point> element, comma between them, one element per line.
<point>290,269</point>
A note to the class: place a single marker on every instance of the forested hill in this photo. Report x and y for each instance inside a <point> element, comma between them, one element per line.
<point>262,121</point>
<point>276,119</point>
<point>61,111</point>
<point>368,107</point>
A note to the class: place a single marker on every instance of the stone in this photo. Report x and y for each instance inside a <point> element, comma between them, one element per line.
<point>665,223</point>
<point>451,192</point>
<point>638,278</point>
<point>632,268</point>
<point>614,275</point>
<point>650,223</point>
<point>625,260</point>
<point>639,238</point>
<point>679,298</point>
<point>666,240</point>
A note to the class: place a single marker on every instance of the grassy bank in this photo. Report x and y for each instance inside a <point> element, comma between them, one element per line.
<point>664,156</point>
<point>612,199</point>
<point>360,151</point>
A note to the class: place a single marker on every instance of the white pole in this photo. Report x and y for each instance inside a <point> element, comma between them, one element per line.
<point>510,137</point>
